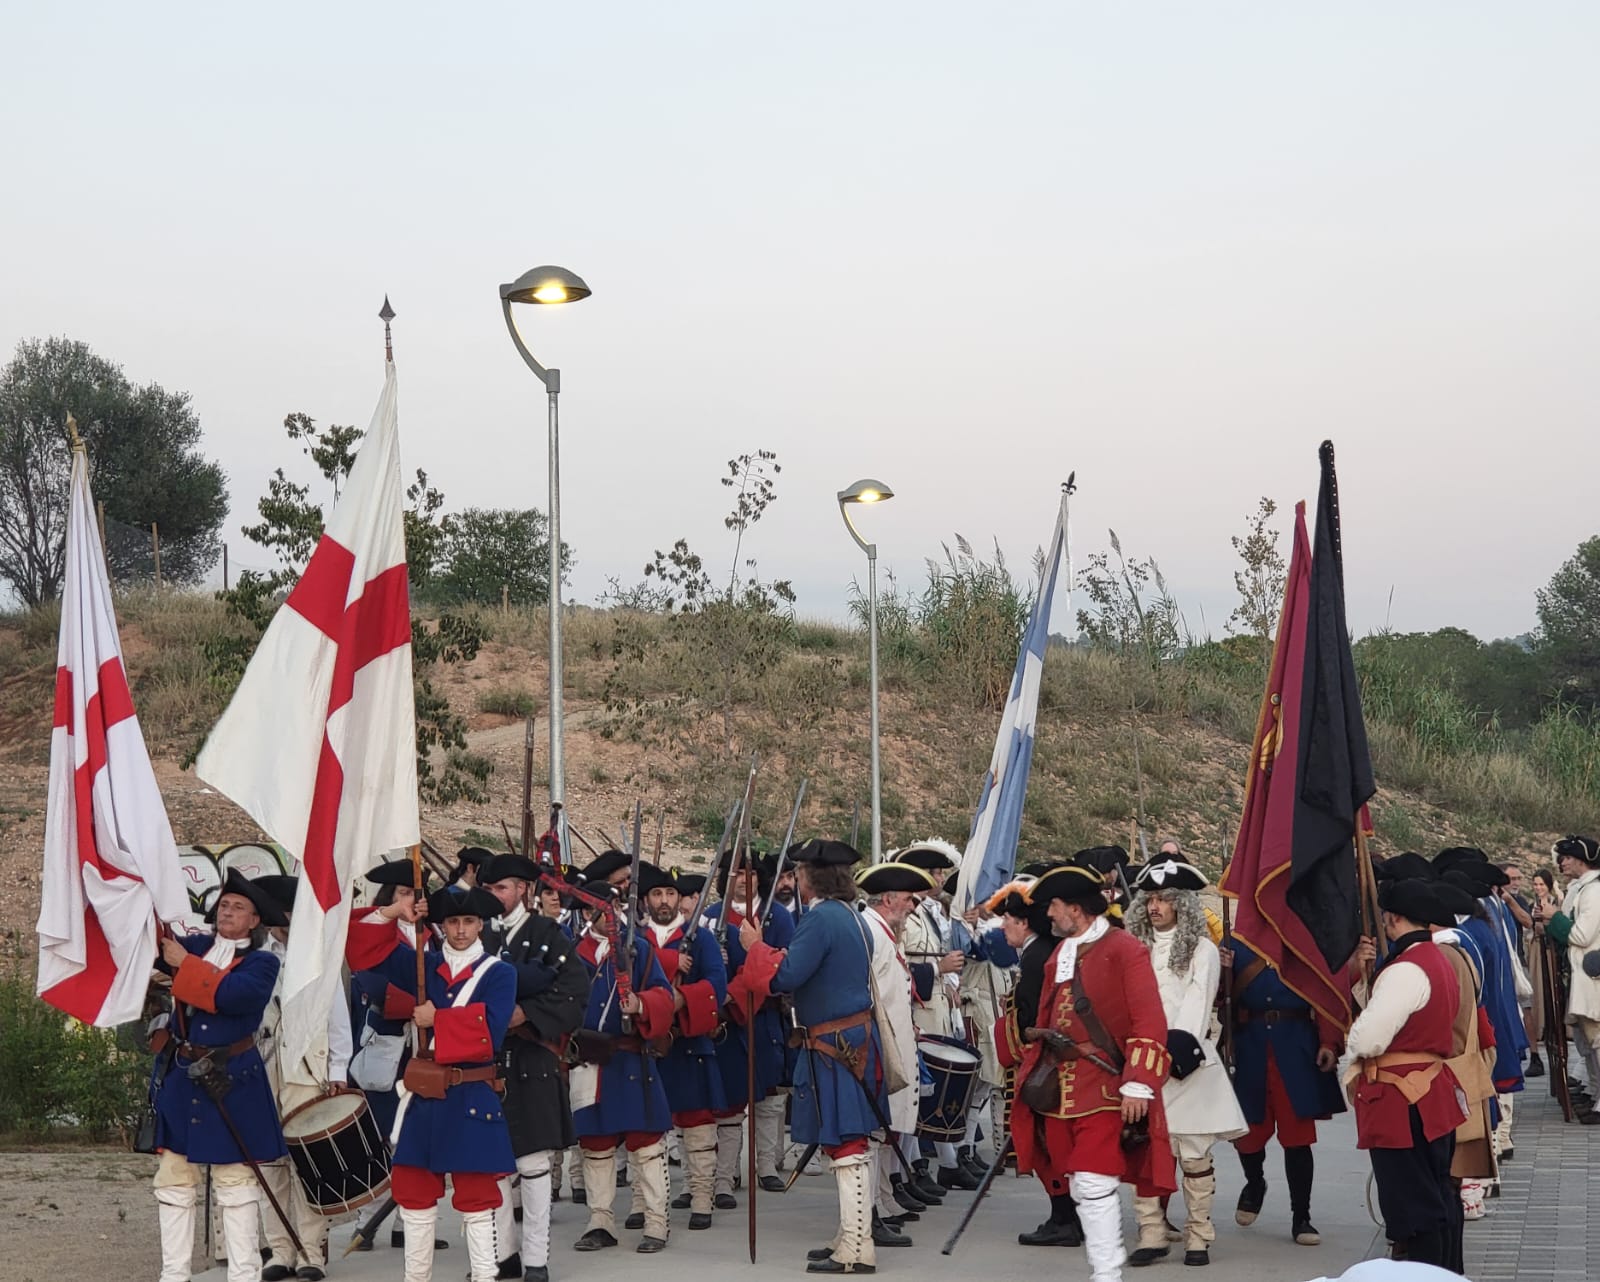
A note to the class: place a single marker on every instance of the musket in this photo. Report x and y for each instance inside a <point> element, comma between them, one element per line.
<point>783,854</point>
<point>741,847</point>
<point>630,928</point>
<point>510,845</point>
<point>593,853</point>
<point>661,832</point>
<point>693,924</point>
<point>751,1184</point>
<point>438,865</point>
<point>978,1195</point>
<point>1225,1037</point>
<point>855,823</point>
<point>527,785</point>
<point>209,1083</point>
<point>361,1239</point>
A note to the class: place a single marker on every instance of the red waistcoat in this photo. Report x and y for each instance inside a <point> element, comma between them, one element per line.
<point>1383,1116</point>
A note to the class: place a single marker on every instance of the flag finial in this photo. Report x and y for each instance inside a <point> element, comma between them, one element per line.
<point>387,314</point>
<point>73,438</point>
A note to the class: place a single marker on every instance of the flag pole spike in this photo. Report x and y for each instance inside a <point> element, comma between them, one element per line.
<point>387,314</point>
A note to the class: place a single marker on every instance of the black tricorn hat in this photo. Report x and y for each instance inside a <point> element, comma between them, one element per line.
<point>397,872</point>
<point>1410,898</point>
<point>266,906</point>
<point>1073,883</point>
<point>690,883</point>
<point>1576,847</point>
<point>1170,874</point>
<point>827,854</point>
<point>1458,856</point>
<point>456,901</point>
<point>281,887</point>
<point>503,867</point>
<point>1102,858</point>
<point>605,864</point>
<point>473,856</point>
<point>933,855</point>
<point>882,878</point>
<point>1453,902</point>
<point>653,878</point>
<point>1408,864</point>
<point>1013,905</point>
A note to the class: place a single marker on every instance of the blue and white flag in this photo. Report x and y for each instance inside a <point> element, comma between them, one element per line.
<point>991,854</point>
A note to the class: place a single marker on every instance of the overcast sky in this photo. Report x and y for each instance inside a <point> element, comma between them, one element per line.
<point>961,248</point>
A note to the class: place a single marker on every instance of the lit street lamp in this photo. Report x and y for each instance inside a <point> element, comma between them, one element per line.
<point>550,286</point>
<point>869,491</point>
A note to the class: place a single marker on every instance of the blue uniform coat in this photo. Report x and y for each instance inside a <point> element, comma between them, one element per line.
<point>632,1095</point>
<point>774,1059</point>
<point>827,969</point>
<point>187,1121</point>
<point>1294,1042</point>
<point>466,1130</point>
<point>1499,1000</point>
<point>689,1070</point>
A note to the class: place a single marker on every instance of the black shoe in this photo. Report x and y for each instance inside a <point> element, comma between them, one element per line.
<point>1507,1154</point>
<point>510,1268</point>
<point>831,1265</point>
<point>956,1177</point>
<point>308,1273</point>
<point>276,1273</point>
<point>725,1202</point>
<point>679,1203</point>
<point>1305,1232</point>
<point>926,1190</point>
<point>900,1221</point>
<point>579,1198</point>
<point>634,1221</point>
<point>1052,1234</point>
<point>622,1178</point>
<point>594,1240</point>
<point>886,1235</point>
<point>1197,1259</point>
<point>1535,1066</point>
<point>820,1253</point>
<point>536,1273</point>
<point>1251,1196</point>
<point>969,1160</point>
<point>555,1196</point>
<point>700,1219</point>
<point>650,1245</point>
<point>905,1198</point>
<point>1147,1255</point>
<point>1590,1118</point>
<point>770,1184</point>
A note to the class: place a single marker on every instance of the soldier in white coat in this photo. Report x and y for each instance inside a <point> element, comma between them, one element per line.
<point>891,891</point>
<point>1577,928</point>
<point>1200,1104</point>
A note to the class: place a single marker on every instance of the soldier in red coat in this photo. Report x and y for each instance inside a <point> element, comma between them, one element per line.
<point>1090,1067</point>
<point>1408,1102</point>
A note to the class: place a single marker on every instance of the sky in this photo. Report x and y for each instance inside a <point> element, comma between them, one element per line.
<point>964,249</point>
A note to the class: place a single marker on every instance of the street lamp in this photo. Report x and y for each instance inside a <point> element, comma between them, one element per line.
<point>549,286</point>
<point>870,491</point>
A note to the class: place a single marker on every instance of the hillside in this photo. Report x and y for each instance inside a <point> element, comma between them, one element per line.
<point>654,716</point>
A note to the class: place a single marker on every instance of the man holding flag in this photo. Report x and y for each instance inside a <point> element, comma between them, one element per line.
<point>1294,870</point>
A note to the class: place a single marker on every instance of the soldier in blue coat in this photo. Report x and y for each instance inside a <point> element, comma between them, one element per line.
<point>453,1125</point>
<point>774,1059</point>
<point>827,970</point>
<point>1284,1056</point>
<point>221,985</point>
<point>689,1071</point>
<point>618,1093</point>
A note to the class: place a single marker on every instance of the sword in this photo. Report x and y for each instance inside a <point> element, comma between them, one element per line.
<point>233,1134</point>
<point>362,1239</point>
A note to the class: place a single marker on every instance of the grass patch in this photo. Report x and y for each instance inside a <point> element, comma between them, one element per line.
<point>505,702</point>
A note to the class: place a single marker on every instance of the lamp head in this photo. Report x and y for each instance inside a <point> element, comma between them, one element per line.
<point>546,285</point>
<point>866,491</point>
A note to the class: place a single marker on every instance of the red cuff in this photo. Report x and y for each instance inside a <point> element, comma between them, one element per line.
<point>1485,1030</point>
<point>195,983</point>
<point>397,1003</point>
<point>370,942</point>
<point>699,1016</point>
<point>461,1034</point>
<point>655,1015</point>
<point>1148,1063</point>
<point>759,970</point>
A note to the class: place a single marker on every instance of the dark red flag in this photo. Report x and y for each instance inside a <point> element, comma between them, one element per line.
<point>1260,873</point>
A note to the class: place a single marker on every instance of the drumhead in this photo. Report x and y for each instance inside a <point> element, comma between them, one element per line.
<point>938,1050</point>
<point>319,1116</point>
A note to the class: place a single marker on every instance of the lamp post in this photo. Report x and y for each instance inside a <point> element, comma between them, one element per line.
<point>870,491</point>
<point>549,286</point>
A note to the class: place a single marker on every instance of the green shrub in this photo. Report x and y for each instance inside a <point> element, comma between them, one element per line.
<point>504,702</point>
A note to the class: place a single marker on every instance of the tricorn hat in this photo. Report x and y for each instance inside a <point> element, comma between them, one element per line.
<point>607,862</point>
<point>458,901</point>
<point>1410,898</point>
<point>281,887</point>
<point>1408,864</point>
<point>933,854</point>
<point>653,878</point>
<point>397,872</point>
<point>504,867</point>
<point>1170,874</point>
<point>883,878</point>
<point>266,905</point>
<point>1576,847</point>
<point>828,854</point>
<point>1073,883</point>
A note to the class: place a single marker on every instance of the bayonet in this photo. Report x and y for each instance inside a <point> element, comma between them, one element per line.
<point>783,854</point>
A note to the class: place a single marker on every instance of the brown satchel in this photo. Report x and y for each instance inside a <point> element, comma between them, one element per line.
<point>1041,1089</point>
<point>426,1077</point>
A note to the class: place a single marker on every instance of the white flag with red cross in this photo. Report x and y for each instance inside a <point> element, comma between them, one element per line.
<point>110,865</point>
<point>319,744</point>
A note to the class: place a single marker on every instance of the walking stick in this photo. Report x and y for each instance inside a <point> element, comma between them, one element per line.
<point>977,1197</point>
<point>362,1240</point>
<point>750,1074</point>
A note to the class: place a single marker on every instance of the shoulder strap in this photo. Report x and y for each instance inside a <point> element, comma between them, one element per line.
<point>485,963</point>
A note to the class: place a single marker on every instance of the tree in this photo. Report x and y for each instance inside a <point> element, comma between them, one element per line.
<point>484,549</point>
<point>144,464</point>
<point>290,526</point>
<point>1262,580</point>
<point>1569,623</point>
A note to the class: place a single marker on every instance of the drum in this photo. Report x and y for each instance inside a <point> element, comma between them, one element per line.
<point>338,1151</point>
<point>953,1066</point>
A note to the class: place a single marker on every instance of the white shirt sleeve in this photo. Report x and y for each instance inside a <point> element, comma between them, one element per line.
<point>1401,990</point>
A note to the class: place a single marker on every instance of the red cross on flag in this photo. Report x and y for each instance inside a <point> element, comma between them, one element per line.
<point>319,743</point>
<point>110,865</point>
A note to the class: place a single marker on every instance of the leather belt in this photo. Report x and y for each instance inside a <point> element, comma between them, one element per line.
<point>852,1058</point>
<point>839,1025</point>
<point>1270,1017</point>
<point>192,1052</point>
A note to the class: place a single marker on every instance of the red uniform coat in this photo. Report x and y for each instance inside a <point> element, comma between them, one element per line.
<point>1114,973</point>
